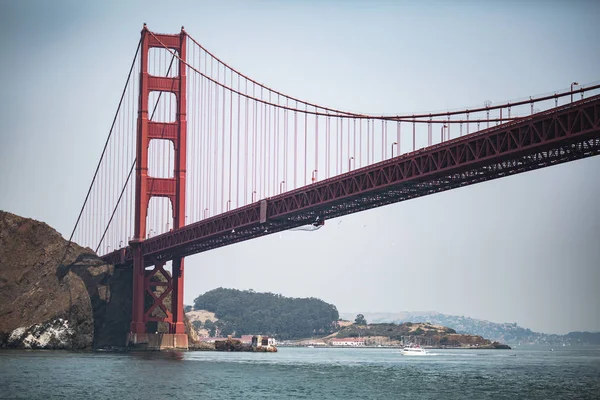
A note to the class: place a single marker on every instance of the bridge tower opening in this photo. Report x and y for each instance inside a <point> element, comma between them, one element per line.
<point>145,283</point>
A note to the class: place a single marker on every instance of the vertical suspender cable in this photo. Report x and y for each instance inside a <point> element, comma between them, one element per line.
<point>372,139</point>
<point>337,146</point>
<point>348,139</point>
<point>231,135</point>
<point>296,147</point>
<point>262,171</point>
<point>269,151</point>
<point>398,140</point>
<point>237,191</point>
<point>305,142</point>
<point>360,148</point>
<point>383,139</point>
<point>190,190</point>
<point>276,147</point>
<point>223,144</point>
<point>327,146</point>
<point>316,146</point>
<point>414,134</point>
<point>216,145</point>
<point>254,141</point>
<point>354,141</point>
<point>368,143</point>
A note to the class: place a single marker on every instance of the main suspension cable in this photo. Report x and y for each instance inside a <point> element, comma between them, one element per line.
<point>417,118</point>
<point>105,144</point>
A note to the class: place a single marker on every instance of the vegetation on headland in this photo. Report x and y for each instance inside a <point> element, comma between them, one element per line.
<point>501,332</point>
<point>360,320</point>
<point>393,331</point>
<point>246,312</point>
<point>419,333</point>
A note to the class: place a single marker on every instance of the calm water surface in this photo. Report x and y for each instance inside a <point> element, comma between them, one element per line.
<point>300,373</point>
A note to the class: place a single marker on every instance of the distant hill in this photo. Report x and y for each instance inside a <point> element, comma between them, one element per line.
<point>417,333</point>
<point>509,333</point>
<point>583,337</point>
<point>245,312</point>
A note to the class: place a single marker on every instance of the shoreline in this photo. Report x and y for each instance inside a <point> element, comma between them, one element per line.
<point>496,346</point>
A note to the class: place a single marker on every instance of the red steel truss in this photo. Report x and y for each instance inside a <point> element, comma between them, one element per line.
<point>562,134</point>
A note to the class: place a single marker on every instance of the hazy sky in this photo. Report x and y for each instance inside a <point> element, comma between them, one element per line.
<point>522,249</point>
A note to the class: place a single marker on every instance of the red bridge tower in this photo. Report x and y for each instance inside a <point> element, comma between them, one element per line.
<point>144,281</point>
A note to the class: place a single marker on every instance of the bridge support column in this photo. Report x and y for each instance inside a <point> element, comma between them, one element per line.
<point>177,326</point>
<point>138,325</point>
<point>157,321</point>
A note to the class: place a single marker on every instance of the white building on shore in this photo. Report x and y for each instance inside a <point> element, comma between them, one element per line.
<point>348,342</point>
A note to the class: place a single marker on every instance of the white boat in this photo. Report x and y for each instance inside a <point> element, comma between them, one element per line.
<point>413,351</point>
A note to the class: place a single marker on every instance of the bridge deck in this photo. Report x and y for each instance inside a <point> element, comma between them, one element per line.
<point>562,134</point>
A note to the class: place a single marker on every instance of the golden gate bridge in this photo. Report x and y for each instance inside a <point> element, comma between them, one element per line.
<point>200,156</point>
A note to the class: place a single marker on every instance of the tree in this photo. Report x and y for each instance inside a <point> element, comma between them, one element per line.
<point>187,309</point>
<point>210,326</point>
<point>197,324</point>
<point>360,320</point>
<point>226,329</point>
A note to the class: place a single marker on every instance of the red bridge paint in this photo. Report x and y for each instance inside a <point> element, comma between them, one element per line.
<point>147,187</point>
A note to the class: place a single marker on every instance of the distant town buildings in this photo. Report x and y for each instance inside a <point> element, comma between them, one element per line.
<point>348,342</point>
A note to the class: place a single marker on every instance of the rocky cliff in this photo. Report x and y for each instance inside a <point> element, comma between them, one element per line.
<point>54,297</point>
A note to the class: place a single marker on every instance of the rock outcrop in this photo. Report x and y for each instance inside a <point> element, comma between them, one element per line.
<point>57,296</point>
<point>416,332</point>
<point>55,334</point>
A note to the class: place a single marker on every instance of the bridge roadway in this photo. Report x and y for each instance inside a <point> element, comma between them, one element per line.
<point>561,134</point>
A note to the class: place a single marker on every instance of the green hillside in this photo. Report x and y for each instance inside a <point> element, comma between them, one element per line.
<point>245,312</point>
<point>394,331</point>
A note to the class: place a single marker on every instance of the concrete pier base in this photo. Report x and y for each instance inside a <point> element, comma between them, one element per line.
<point>158,341</point>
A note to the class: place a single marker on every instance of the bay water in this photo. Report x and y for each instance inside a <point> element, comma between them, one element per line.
<point>526,372</point>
